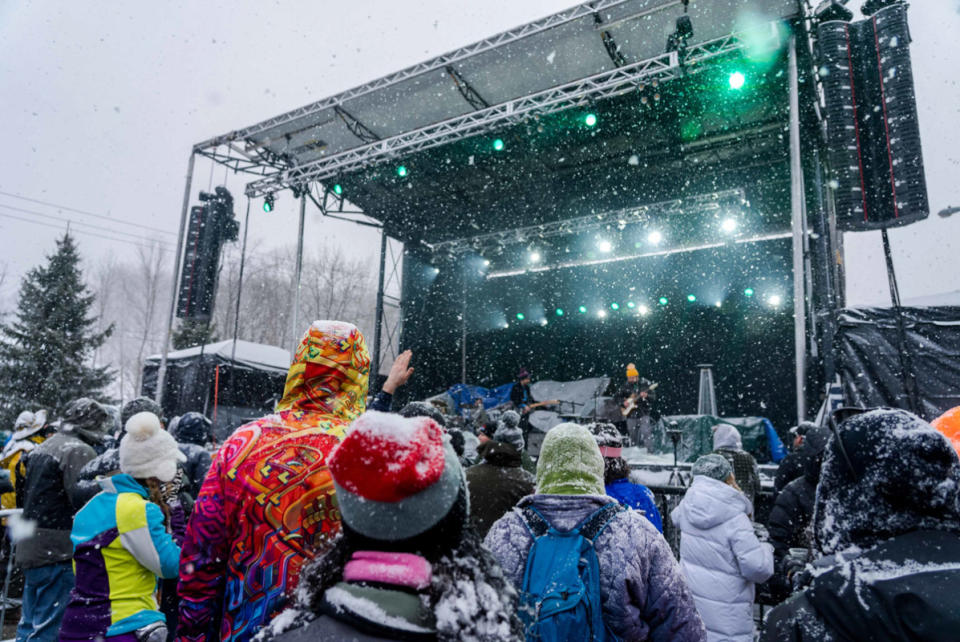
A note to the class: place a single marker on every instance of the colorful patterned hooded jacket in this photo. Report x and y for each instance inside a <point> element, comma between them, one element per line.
<point>121,547</point>
<point>268,505</point>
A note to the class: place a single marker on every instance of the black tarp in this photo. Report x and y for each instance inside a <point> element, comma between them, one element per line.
<point>870,362</point>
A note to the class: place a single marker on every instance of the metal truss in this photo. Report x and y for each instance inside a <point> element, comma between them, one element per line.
<point>619,218</point>
<point>603,85</point>
<point>389,314</point>
<point>356,127</point>
<point>457,55</point>
<point>466,89</point>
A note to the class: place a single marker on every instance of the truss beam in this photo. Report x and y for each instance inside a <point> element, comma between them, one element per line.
<point>610,83</point>
<point>619,218</point>
<point>466,89</point>
<point>457,55</point>
<point>356,127</point>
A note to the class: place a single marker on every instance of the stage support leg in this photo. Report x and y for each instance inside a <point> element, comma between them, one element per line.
<point>236,311</point>
<point>463,330</point>
<point>378,321</point>
<point>295,329</point>
<point>162,373</point>
<point>797,197</point>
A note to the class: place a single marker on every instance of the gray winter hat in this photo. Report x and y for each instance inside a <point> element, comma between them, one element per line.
<point>86,419</point>
<point>508,430</point>
<point>712,466</point>
<point>138,405</point>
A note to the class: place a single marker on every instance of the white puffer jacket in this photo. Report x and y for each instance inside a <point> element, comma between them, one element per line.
<point>721,557</point>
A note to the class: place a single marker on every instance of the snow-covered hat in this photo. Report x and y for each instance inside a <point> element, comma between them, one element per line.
<point>727,437</point>
<point>395,477</point>
<point>508,430</point>
<point>712,466</point>
<point>147,450</point>
<point>87,419</point>
<point>24,419</point>
<point>608,439</point>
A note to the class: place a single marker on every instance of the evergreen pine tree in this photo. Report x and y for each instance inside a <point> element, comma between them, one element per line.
<point>46,349</point>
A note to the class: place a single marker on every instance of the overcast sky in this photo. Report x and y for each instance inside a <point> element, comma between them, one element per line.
<point>101,102</point>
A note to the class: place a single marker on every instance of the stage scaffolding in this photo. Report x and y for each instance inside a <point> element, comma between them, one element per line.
<point>615,48</point>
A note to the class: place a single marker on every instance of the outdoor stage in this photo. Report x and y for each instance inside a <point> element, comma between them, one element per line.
<point>597,187</point>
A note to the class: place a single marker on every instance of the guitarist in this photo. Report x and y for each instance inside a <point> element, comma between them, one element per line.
<point>523,400</point>
<point>635,398</point>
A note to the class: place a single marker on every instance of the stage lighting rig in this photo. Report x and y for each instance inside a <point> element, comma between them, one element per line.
<point>833,10</point>
<point>268,202</point>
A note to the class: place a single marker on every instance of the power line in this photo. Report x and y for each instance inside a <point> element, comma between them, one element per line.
<point>139,237</point>
<point>73,209</point>
<point>163,248</point>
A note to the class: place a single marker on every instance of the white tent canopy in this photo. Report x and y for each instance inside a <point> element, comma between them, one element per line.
<point>254,355</point>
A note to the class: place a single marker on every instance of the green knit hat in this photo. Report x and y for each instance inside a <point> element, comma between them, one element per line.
<point>570,463</point>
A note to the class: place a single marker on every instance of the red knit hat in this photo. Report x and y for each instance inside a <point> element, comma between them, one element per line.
<point>395,477</point>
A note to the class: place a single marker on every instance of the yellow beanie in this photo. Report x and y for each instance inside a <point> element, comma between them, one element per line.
<point>632,370</point>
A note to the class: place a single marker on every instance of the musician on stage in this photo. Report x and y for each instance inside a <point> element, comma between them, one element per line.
<point>520,395</point>
<point>634,400</point>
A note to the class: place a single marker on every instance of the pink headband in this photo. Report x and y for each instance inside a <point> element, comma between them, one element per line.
<point>401,569</point>
<point>610,451</point>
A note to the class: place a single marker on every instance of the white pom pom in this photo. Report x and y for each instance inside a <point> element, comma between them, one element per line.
<point>143,426</point>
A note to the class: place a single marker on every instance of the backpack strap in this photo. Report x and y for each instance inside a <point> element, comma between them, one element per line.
<point>534,521</point>
<point>592,526</point>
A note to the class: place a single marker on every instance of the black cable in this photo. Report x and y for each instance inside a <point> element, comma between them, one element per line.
<point>73,209</point>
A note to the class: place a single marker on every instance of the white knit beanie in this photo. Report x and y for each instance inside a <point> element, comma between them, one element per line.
<point>147,450</point>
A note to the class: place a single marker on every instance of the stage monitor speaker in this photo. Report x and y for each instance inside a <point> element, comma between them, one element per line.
<point>873,136</point>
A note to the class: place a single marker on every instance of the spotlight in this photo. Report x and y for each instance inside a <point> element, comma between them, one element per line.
<point>486,263</point>
<point>402,171</point>
<point>604,245</point>
<point>692,298</point>
<point>728,225</point>
<point>748,292</point>
<point>498,144</point>
<point>718,304</point>
<point>643,310</point>
<point>520,316</point>
<point>268,201</point>
<point>543,322</point>
<point>737,80</point>
<point>602,314</point>
<point>774,300</point>
<point>559,312</point>
<point>614,306</point>
<point>435,270</point>
<point>582,309</point>
<point>654,237</point>
<point>631,304</point>
<point>337,189</point>
<point>535,257</point>
<point>664,300</point>
<point>590,120</point>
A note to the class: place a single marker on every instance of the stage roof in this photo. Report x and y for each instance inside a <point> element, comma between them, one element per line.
<point>660,115</point>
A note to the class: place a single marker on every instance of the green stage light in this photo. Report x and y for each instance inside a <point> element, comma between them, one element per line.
<point>520,316</point>
<point>583,309</point>
<point>268,203</point>
<point>663,300</point>
<point>402,171</point>
<point>614,306</point>
<point>748,292</point>
<point>337,189</point>
<point>737,80</point>
<point>691,298</point>
<point>498,144</point>
<point>631,304</point>
<point>590,120</point>
<point>559,312</point>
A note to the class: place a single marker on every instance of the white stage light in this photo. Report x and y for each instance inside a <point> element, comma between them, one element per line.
<point>602,314</point>
<point>728,225</point>
<point>654,237</point>
<point>604,245</point>
<point>643,310</point>
<point>774,300</point>
<point>535,257</point>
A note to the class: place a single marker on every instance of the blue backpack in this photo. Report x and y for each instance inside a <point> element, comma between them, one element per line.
<point>560,599</point>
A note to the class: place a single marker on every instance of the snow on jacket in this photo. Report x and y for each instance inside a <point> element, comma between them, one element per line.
<point>496,484</point>
<point>727,442</point>
<point>643,594</point>
<point>121,547</point>
<point>638,497</point>
<point>721,557</point>
<point>48,493</point>
<point>268,505</point>
<point>905,588</point>
<point>13,455</point>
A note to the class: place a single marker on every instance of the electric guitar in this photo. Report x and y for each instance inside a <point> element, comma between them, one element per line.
<point>531,407</point>
<point>630,404</point>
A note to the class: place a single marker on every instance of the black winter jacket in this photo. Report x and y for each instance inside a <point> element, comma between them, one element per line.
<point>904,588</point>
<point>496,484</point>
<point>48,493</point>
<point>792,467</point>
<point>195,468</point>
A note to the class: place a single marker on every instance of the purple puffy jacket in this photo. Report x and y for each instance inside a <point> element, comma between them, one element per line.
<point>643,594</point>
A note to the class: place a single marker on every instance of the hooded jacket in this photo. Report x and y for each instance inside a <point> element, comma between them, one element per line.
<point>121,548</point>
<point>727,442</point>
<point>642,593</point>
<point>721,557</point>
<point>268,504</point>
<point>887,512</point>
<point>496,484</point>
